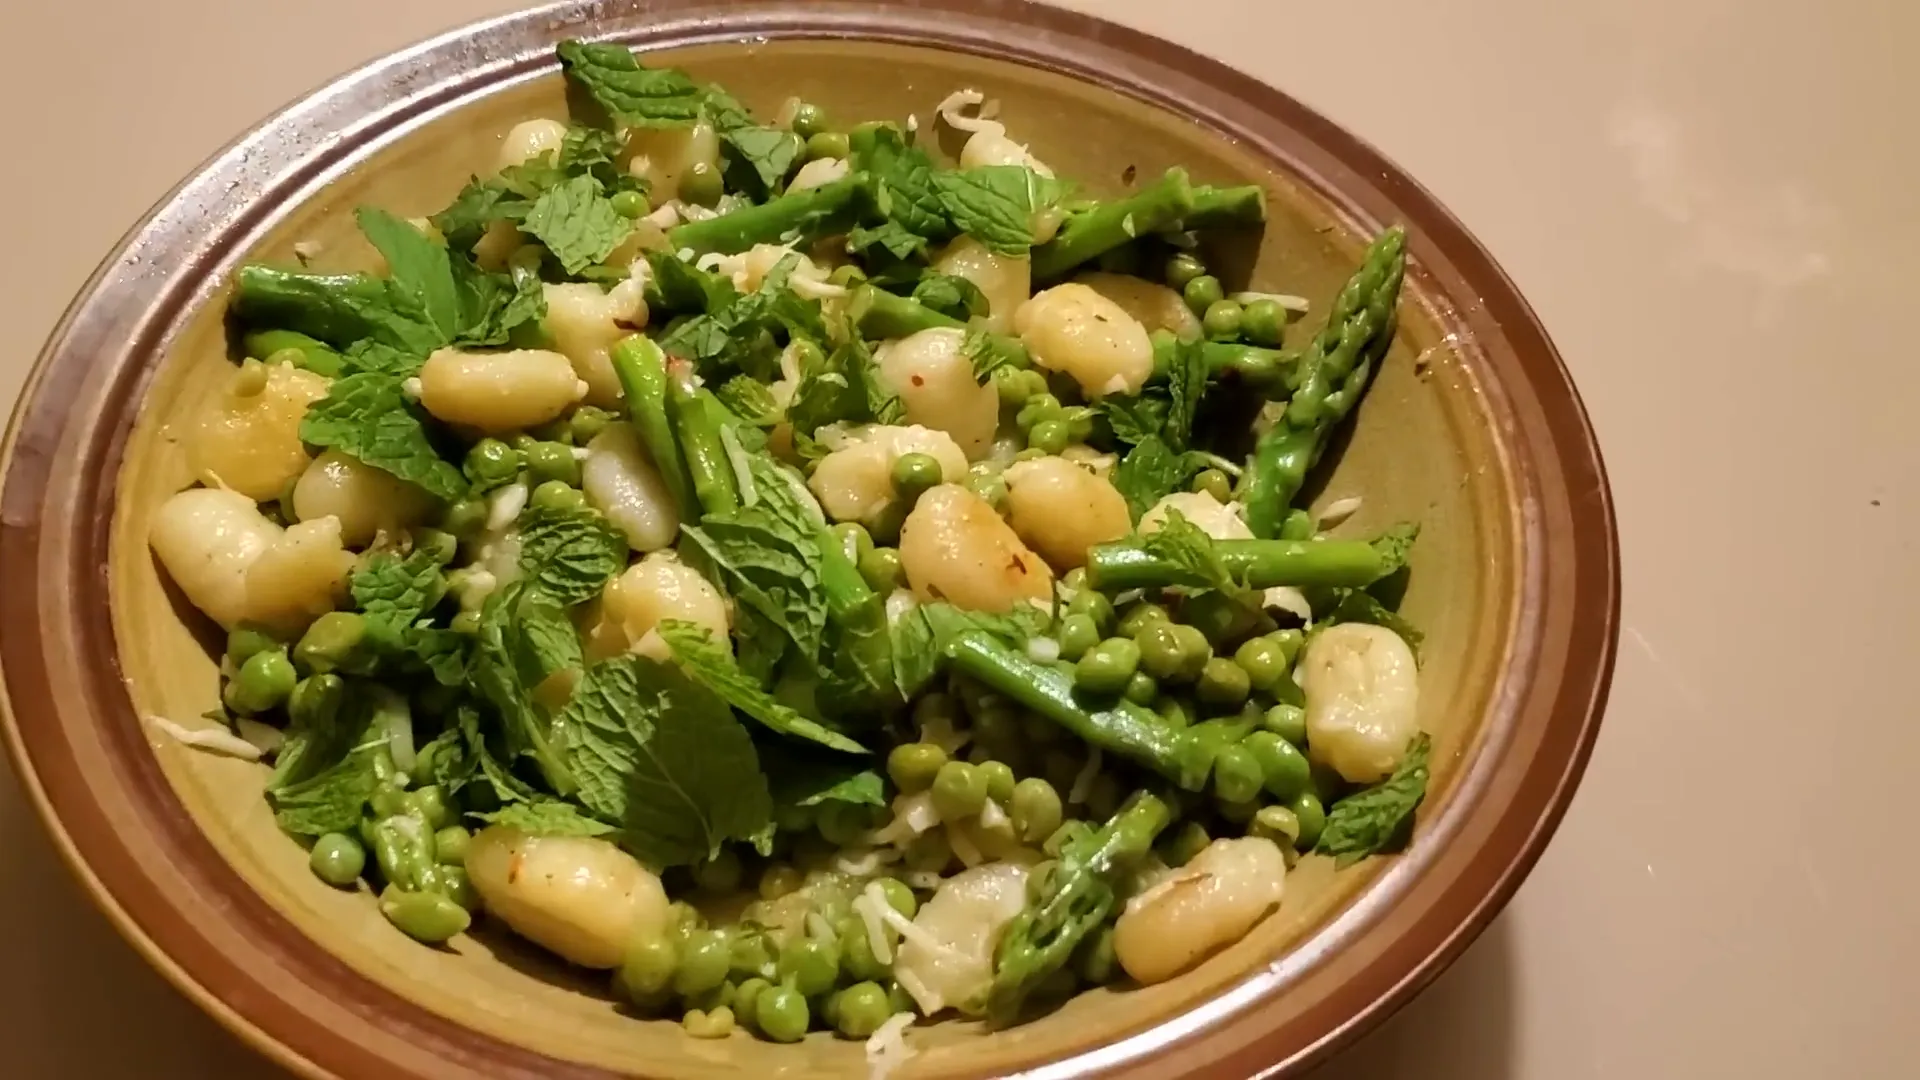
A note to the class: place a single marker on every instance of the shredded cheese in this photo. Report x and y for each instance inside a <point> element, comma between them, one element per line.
<point>992,817</point>
<point>922,879</point>
<point>1043,650</point>
<point>950,106</point>
<point>929,1001</point>
<point>1336,512</point>
<point>504,506</point>
<point>1083,780</point>
<point>1285,300</point>
<point>857,863</point>
<point>216,740</point>
<point>869,905</point>
<point>1288,598</point>
<point>963,845</point>
<point>261,737</point>
<point>887,1048</point>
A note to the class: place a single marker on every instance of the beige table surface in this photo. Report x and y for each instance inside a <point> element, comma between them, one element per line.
<point>1712,203</point>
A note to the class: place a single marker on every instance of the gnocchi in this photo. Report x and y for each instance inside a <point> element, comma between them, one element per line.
<point>657,587</point>
<point>498,392</point>
<point>1060,509</point>
<point>1076,331</point>
<point>530,139</point>
<point>1005,280</point>
<point>1150,303</point>
<point>365,501</point>
<point>301,576</point>
<point>1199,909</point>
<point>936,385</point>
<point>948,961</point>
<point>250,440</point>
<point>1362,700</point>
<point>621,481</point>
<point>207,538</point>
<point>585,323</point>
<point>954,547</point>
<point>854,482</point>
<point>661,156</point>
<point>577,896</point>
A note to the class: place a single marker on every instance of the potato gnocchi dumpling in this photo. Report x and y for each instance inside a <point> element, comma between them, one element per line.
<point>249,441</point>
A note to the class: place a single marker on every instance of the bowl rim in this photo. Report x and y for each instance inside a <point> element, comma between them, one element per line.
<point>56,498</point>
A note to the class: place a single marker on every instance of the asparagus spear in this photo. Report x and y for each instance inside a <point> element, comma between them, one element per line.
<point>1126,729</point>
<point>642,369</point>
<point>878,314</point>
<point>1217,206</point>
<point>696,422</point>
<point>1077,899</point>
<point>1094,232</point>
<point>315,355</point>
<point>813,212</point>
<point>1327,383</point>
<point>1258,564</point>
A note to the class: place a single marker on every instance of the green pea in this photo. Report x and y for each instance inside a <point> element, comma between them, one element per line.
<point>1095,606</point>
<point>244,642</point>
<point>523,442</point>
<point>913,766</point>
<point>440,546</point>
<point>1284,768</point>
<point>457,887</point>
<point>1263,661</point>
<point>1174,711</point>
<point>1214,483</point>
<point>1202,293</point>
<point>999,778</point>
<point>1181,269</point>
<point>1013,386</point>
<point>467,622</point>
<point>751,952</point>
<point>899,896</point>
<point>1276,823</point>
<point>700,184</point>
<point>1186,841</point>
<point>989,484</point>
<point>856,951</point>
<point>929,851</point>
<point>1141,689</point>
<point>1222,320</point>
<point>1094,959</point>
<point>430,804</point>
<point>1223,684</point>
<point>1161,654</point>
<point>264,682</point>
<point>717,1024</point>
<point>777,880</point>
<point>465,518</point>
<point>842,824</point>
<point>1264,322</point>
<point>1077,635</point>
<point>747,995</point>
<point>915,473</point>
<point>811,965</point>
<point>880,568</point>
<point>1069,833</point>
<point>450,845</point>
<point>720,874</point>
<point>1193,650</point>
<point>587,422</point>
<point>828,144</point>
<point>337,859</point>
<point>808,120</point>
<point>1108,667</point>
<point>959,791</point>
<point>331,642</point>
<point>780,1012</point>
<point>552,461</point>
<point>629,204</point>
<point>1236,774</point>
<point>1312,815</point>
<point>999,726</point>
<point>705,959</point>
<point>1079,421</point>
<point>491,463</point>
<point>1139,617</point>
<point>557,495</point>
<point>1290,643</point>
<point>423,916</point>
<point>649,963</point>
<point>1049,436</point>
<point>1287,721</point>
<point>1261,369</point>
<point>1039,408</point>
<point>853,539</point>
<point>860,1009</point>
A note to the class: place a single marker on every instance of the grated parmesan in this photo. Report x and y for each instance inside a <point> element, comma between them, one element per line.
<point>216,740</point>
<point>1336,512</point>
<point>261,737</point>
<point>1043,650</point>
<point>887,1048</point>
<point>868,905</point>
<point>504,506</point>
<point>963,846</point>
<point>950,106</point>
<point>1285,300</point>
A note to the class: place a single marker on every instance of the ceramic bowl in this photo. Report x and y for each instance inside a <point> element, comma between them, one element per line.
<point>1472,429</point>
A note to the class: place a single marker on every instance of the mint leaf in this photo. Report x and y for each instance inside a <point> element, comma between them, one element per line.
<point>769,564</point>
<point>664,757</point>
<point>951,295</point>
<point>475,209</point>
<point>368,417</point>
<point>738,333</point>
<point>810,780</point>
<point>995,204</point>
<point>921,637</point>
<point>577,222</point>
<point>339,309</point>
<point>493,305</point>
<point>1394,546</point>
<point>1151,471</point>
<point>1190,553</point>
<point>677,285</point>
<point>419,271</point>
<point>750,400</point>
<point>570,555</point>
<point>891,237</point>
<point>1186,384</point>
<point>990,352</point>
<point>902,180</point>
<point>395,591</point>
<point>444,760</point>
<point>588,151</point>
<point>370,355</point>
<point>1136,419</point>
<point>507,788</point>
<point>713,666</point>
<point>842,387</point>
<point>1379,819</point>
<point>769,151</point>
<point>439,652</point>
<point>547,817</point>
<point>331,801</point>
<point>632,95</point>
<point>1361,606</point>
<point>518,647</point>
<point>544,642</point>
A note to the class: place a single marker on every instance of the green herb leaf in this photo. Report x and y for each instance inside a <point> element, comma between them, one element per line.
<point>902,179</point>
<point>951,295</point>
<point>506,787</point>
<point>842,387</point>
<point>570,555</point>
<point>444,760</point>
<point>996,204</point>
<point>419,271</point>
<point>664,757</point>
<point>921,637</point>
<point>1151,471</point>
<point>750,400</point>
<point>339,309</point>
<point>894,239</point>
<point>547,817</point>
<point>769,151</point>
<point>518,647</point>
<point>577,222</point>
<point>800,780</point>
<point>770,564</point>
<point>371,355</point>
<point>713,667</point>
<point>395,591</point>
<point>678,285</point>
<point>1186,384</point>
<point>632,95</point>
<point>1378,819</point>
<point>1189,551</point>
<point>368,417</point>
<point>331,801</point>
<point>493,305</point>
<point>475,209</point>
<point>990,352</point>
<point>1135,419</point>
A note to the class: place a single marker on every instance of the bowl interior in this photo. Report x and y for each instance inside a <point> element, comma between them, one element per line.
<point>1423,449</point>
